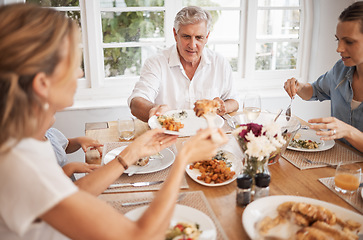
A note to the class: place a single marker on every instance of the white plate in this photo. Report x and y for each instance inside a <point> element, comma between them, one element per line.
<point>267,206</point>
<point>184,213</point>
<point>236,166</point>
<point>191,124</point>
<point>361,193</point>
<point>310,134</point>
<point>153,166</point>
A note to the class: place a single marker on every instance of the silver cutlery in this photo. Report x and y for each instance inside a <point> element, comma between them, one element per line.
<point>128,204</point>
<point>136,184</point>
<point>317,162</point>
<point>288,111</point>
<point>278,115</point>
<point>134,169</point>
<point>229,120</point>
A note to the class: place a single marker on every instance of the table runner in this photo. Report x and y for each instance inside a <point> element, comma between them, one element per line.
<point>155,176</point>
<point>354,199</point>
<point>194,199</point>
<point>333,156</point>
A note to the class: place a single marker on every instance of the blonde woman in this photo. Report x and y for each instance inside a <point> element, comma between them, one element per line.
<point>39,67</point>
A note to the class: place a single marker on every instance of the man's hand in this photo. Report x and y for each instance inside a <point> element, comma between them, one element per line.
<point>222,106</point>
<point>158,110</point>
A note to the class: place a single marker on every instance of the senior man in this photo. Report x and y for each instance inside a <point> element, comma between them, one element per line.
<point>185,72</point>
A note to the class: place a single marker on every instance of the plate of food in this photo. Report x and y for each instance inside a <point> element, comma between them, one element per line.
<point>306,140</point>
<point>219,171</point>
<point>154,163</point>
<point>181,122</point>
<point>276,217</point>
<point>199,225</point>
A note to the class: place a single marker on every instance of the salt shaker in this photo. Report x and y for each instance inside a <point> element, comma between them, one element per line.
<point>262,182</point>
<point>244,183</point>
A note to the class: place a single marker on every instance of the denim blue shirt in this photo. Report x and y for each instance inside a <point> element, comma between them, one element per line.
<point>336,85</point>
<point>59,143</point>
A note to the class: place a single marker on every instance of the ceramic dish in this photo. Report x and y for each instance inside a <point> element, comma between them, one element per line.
<point>192,123</point>
<point>184,213</point>
<point>309,134</point>
<point>154,165</point>
<point>236,166</point>
<point>267,206</point>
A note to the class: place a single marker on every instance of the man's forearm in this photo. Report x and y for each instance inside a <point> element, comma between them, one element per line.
<point>140,108</point>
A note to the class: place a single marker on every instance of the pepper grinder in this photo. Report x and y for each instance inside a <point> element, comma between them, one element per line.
<point>262,182</point>
<point>244,183</point>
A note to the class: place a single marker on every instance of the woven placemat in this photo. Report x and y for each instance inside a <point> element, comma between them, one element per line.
<point>354,199</point>
<point>155,176</point>
<point>194,199</point>
<point>333,156</point>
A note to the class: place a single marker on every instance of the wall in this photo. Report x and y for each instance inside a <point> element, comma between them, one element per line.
<point>323,56</point>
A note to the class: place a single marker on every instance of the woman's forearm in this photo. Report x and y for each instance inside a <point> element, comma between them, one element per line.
<point>355,137</point>
<point>306,91</point>
<point>165,199</point>
<point>97,181</point>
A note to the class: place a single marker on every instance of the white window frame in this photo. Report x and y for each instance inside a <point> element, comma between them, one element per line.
<point>270,83</point>
<point>97,91</point>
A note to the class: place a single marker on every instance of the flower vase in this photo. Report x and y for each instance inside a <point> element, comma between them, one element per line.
<point>254,165</point>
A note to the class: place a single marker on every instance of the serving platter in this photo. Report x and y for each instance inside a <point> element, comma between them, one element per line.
<point>267,206</point>
<point>192,123</point>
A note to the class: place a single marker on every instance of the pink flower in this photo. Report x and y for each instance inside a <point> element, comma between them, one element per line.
<point>254,127</point>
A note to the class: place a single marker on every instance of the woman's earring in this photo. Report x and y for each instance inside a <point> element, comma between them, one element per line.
<point>46,106</point>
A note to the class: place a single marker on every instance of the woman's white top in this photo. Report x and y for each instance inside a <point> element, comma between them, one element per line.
<point>31,183</point>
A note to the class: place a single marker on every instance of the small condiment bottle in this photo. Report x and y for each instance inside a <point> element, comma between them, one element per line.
<point>244,183</point>
<point>262,182</point>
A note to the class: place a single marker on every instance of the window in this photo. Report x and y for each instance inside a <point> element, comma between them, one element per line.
<point>262,39</point>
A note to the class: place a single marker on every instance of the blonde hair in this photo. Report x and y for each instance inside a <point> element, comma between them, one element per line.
<point>30,42</point>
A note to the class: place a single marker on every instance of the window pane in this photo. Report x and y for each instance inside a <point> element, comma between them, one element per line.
<point>229,51</point>
<point>127,60</point>
<point>222,19</point>
<point>212,3</point>
<point>132,26</point>
<point>131,3</point>
<point>280,3</point>
<point>278,23</point>
<point>276,56</point>
<point>55,3</point>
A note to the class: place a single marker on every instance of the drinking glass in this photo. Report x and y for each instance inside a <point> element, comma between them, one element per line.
<point>347,178</point>
<point>93,156</point>
<point>126,129</point>
<point>251,107</point>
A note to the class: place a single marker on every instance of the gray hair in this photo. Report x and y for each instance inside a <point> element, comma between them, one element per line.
<point>192,15</point>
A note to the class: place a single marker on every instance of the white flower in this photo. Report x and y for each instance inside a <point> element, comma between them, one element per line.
<point>259,147</point>
<point>262,146</point>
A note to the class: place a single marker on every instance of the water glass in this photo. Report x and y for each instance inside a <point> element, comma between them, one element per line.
<point>93,156</point>
<point>126,129</point>
<point>251,106</point>
<point>347,178</point>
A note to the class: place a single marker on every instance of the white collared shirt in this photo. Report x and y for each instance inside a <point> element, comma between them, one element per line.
<point>163,80</point>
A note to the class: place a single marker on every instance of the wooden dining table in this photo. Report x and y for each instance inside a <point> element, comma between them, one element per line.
<point>286,179</point>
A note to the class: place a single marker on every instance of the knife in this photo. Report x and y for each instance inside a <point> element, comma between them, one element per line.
<point>136,184</point>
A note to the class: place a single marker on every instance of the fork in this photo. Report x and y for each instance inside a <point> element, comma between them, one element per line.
<point>288,110</point>
<point>317,162</point>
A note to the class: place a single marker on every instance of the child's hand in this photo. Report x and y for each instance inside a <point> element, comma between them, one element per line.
<point>84,143</point>
<point>79,167</point>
